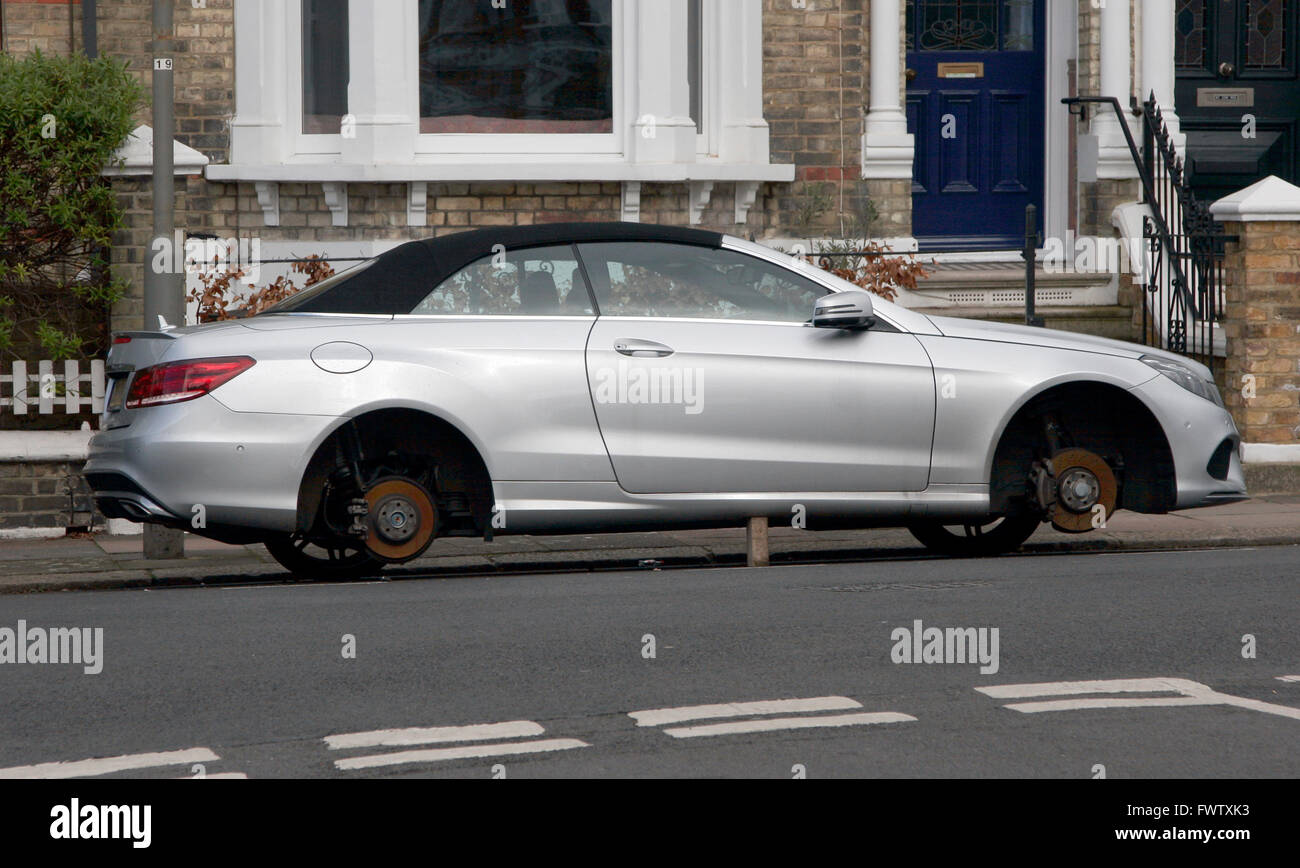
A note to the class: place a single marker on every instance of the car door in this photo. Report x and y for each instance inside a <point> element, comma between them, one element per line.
<point>705,378</point>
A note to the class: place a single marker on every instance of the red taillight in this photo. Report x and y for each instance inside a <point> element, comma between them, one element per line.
<point>182,381</point>
<point>121,339</point>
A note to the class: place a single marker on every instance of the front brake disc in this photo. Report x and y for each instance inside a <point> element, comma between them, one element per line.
<point>1084,482</point>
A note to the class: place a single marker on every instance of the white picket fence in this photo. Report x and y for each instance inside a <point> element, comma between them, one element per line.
<point>44,391</point>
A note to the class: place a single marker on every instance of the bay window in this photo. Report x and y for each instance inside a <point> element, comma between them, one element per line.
<point>422,91</point>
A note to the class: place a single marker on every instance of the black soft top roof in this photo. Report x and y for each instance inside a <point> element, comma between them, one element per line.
<point>396,281</point>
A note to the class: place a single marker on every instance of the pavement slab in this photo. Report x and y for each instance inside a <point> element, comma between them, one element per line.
<point>104,561</point>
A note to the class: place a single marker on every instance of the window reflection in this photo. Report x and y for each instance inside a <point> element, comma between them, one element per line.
<point>531,66</point>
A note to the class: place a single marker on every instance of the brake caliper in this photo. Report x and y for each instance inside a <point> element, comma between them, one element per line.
<point>359,509</point>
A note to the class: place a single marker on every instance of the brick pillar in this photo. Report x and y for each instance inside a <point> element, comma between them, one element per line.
<point>1261,318</point>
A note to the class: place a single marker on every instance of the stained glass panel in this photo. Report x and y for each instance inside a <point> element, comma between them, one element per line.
<point>1265,34</point>
<point>1189,34</point>
<point>958,25</point>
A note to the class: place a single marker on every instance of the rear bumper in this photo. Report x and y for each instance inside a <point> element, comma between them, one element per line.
<point>198,464</point>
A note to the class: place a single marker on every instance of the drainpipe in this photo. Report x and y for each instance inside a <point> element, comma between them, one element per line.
<point>89,28</point>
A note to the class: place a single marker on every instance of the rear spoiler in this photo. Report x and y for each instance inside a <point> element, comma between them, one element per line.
<point>124,340</point>
<point>145,335</point>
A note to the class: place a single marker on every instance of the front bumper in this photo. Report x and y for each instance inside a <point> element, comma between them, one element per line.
<point>1205,443</point>
<point>198,464</point>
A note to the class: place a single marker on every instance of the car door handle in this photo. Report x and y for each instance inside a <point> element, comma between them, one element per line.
<point>643,349</point>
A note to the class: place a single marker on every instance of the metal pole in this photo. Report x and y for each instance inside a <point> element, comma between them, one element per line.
<point>163,285</point>
<point>89,28</point>
<point>1031,245</point>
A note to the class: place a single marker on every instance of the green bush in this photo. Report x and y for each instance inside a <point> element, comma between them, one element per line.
<point>61,119</point>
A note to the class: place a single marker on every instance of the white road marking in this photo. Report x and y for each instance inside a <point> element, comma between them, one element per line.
<point>108,765</point>
<point>1290,678</point>
<point>1191,693</point>
<point>219,776</point>
<point>434,734</point>
<point>661,716</point>
<point>472,751</point>
<point>771,724</point>
<point>1074,688</point>
<point>1075,704</point>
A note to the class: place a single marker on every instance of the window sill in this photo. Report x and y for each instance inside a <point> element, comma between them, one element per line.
<point>476,169</point>
<point>335,177</point>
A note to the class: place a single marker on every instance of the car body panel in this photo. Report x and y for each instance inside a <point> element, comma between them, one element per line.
<point>764,406</point>
<point>981,385</point>
<point>1035,336</point>
<point>1194,428</point>
<point>516,386</point>
<point>242,469</point>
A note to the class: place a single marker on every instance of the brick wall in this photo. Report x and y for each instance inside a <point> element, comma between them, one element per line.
<point>814,89</point>
<point>49,26</point>
<point>1262,325</point>
<point>46,495</point>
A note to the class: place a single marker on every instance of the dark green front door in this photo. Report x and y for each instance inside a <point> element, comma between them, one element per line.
<point>1238,91</point>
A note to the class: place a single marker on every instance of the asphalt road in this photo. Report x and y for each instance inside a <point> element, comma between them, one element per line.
<point>253,680</point>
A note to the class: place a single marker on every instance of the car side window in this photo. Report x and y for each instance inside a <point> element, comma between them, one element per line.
<point>538,281</point>
<point>681,280</point>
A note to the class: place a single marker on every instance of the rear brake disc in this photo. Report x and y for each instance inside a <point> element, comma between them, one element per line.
<point>402,519</point>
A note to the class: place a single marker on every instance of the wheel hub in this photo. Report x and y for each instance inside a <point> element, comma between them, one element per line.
<point>402,519</point>
<point>1079,489</point>
<point>1083,481</point>
<point>396,519</point>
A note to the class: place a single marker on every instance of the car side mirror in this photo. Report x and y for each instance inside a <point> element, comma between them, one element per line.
<point>850,309</point>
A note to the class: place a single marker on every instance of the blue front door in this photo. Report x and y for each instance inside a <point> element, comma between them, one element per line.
<point>975,104</point>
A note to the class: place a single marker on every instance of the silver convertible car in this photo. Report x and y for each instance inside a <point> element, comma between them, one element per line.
<point>617,376</point>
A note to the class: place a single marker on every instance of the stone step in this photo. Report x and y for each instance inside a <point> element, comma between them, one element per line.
<point>991,284</point>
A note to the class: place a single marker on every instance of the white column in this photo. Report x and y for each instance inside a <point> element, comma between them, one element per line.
<point>1158,64</point>
<point>1113,157</point>
<point>887,147</point>
<point>258,132</point>
<point>662,130</point>
<point>383,83</point>
<point>740,49</point>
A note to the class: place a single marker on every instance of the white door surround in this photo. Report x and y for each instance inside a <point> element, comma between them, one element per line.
<point>888,149</point>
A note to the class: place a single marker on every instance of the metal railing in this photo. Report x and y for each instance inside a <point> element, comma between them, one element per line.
<point>1028,253</point>
<point>1186,321</point>
<point>1183,244</point>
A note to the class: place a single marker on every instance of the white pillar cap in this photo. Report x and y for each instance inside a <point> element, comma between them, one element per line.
<point>1269,199</point>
